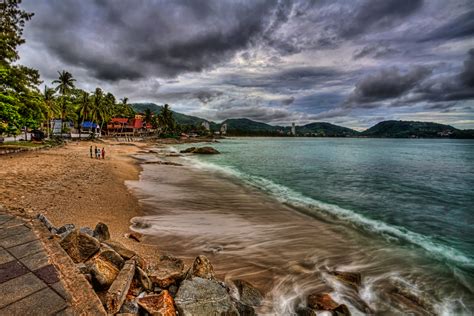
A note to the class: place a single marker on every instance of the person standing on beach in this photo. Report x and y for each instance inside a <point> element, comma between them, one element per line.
<point>95,152</point>
<point>103,153</point>
<point>91,151</point>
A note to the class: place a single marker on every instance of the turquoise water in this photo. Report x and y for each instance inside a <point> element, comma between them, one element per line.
<point>412,192</point>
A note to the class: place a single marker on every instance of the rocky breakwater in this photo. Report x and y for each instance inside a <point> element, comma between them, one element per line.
<point>127,284</point>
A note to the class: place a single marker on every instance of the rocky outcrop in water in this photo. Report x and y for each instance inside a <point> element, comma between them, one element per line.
<point>206,150</point>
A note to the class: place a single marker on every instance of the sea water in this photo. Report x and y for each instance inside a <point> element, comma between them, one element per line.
<point>407,203</point>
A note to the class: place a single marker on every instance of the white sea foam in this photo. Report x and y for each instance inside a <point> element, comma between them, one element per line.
<point>318,208</point>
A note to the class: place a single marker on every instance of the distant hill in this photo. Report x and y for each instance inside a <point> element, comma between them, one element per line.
<point>408,129</point>
<point>388,129</point>
<point>246,127</point>
<point>179,117</point>
<point>325,129</point>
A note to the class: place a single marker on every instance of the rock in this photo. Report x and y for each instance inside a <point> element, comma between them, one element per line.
<point>123,251</point>
<point>202,268</point>
<point>140,223</point>
<point>167,271</point>
<point>129,307</point>
<point>341,310</point>
<point>188,150</point>
<point>135,236</point>
<point>42,218</point>
<point>202,297</point>
<point>206,151</point>
<point>67,228</point>
<point>143,279</point>
<point>244,310</point>
<point>321,301</point>
<point>79,246</point>
<point>158,304</point>
<point>140,262</point>
<point>82,268</point>
<point>87,231</point>
<point>305,311</point>
<point>101,232</point>
<point>352,279</point>
<point>248,294</point>
<point>118,290</point>
<point>104,268</point>
<point>173,289</point>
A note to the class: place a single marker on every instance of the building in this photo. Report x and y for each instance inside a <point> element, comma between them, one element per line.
<point>206,125</point>
<point>293,129</point>
<point>224,129</point>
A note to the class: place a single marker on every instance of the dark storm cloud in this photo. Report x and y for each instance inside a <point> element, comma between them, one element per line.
<point>456,87</point>
<point>122,40</point>
<point>379,14</point>
<point>376,50</point>
<point>387,84</point>
<point>462,26</point>
<point>297,78</point>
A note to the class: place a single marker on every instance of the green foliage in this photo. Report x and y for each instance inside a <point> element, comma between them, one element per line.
<point>20,101</point>
<point>406,129</point>
<point>12,22</point>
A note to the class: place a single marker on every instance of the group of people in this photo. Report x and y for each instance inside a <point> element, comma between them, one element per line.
<point>98,152</point>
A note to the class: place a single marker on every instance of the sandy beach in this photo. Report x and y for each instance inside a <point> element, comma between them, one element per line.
<point>66,185</point>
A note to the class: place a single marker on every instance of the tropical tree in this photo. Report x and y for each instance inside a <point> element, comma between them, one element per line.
<point>166,119</point>
<point>65,85</point>
<point>50,103</point>
<point>18,93</point>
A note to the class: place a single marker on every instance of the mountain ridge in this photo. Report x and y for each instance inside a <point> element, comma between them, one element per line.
<point>384,129</point>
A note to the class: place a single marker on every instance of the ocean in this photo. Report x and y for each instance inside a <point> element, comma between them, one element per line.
<point>401,211</point>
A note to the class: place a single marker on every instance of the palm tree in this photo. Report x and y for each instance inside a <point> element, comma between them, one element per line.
<point>85,108</point>
<point>97,98</point>
<point>48,97</point>
<point>65,86</point>
<point>166,119</point>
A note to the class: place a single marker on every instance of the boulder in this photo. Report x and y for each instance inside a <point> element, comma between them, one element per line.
<point>79,246</point>
<point>341,310</point>
<point>123,251</point>
<point>101,232</point>
<point>244,310</point>
<point>158,304</point>
<point>143,279</point>
<point>352,279</point>
<point>305,311</point>
<point>206,151</point>
<point>167,271</point>
<point>202,297</point>
<point>104,268</point>
<point>135,236</point>
<point>42,218</point>
<point>65,229</point>
<point>129,307</point>
<point>321,301</point>
<point>202,268</point>
<point>118,290</point>
<point>87,231</point>
<point>248,294</point>
<point>188,150</point>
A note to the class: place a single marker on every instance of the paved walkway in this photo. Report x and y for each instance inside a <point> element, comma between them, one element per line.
<point>29,283</point>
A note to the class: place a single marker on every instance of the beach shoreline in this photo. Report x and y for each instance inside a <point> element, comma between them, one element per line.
<point>68,186</point>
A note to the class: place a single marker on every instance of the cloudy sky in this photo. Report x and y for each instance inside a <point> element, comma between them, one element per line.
<point>352,62</point>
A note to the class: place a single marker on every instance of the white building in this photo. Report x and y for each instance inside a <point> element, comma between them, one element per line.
<point>206,125</point>
<point>293,129</point>
<point>224,129</point>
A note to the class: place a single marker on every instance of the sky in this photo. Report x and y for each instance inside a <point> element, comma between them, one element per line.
<point>352,63</point>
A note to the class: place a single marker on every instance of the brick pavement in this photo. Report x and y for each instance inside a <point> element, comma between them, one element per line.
<point>29,283</point>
